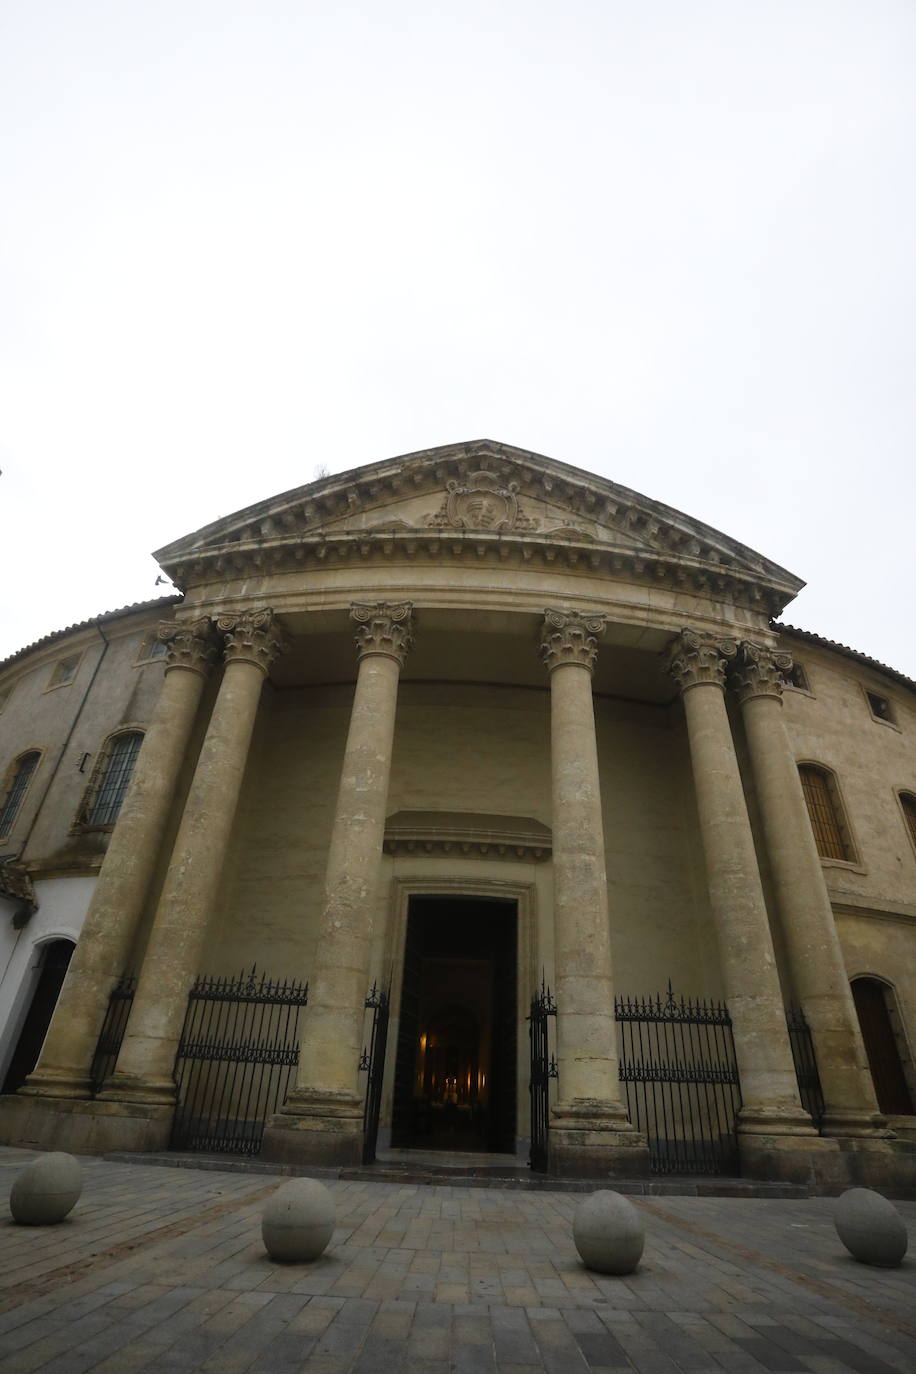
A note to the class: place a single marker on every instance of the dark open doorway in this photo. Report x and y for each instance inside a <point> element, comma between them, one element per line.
<point>55,960</point>
<point>455,1079</point>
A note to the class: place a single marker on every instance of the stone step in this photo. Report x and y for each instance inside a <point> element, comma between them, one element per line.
<point>466,1176</point>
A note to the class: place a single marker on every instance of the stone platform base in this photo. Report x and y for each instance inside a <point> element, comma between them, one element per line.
<point>822,1164</point>
<point>82,1126</point>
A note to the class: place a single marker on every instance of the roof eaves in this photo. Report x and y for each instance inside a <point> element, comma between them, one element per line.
<point>811,638</point>
<point>103,618</point>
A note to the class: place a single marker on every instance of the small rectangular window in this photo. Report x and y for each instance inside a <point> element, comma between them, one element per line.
<point>797,677</point>
<point>152,648</point>
<point>65,671</point>
<point>881,708</point>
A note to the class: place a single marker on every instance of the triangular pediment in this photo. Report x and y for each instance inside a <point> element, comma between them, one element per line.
<point>475,490</point>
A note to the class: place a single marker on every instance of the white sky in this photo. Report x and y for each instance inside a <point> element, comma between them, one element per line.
<point>669,241</point>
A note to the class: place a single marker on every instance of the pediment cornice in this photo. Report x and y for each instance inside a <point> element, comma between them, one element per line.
<point>526,507</point>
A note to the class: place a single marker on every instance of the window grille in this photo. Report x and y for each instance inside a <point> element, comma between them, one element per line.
<point>22,774</point>
<point>112,785</point>
<point>908,802</point>
<point>825,813</point>
<point>152,648</point>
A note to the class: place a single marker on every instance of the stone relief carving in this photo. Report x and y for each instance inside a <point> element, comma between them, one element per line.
<point>191,644</point>
<point>759,672</point>
<point>253,636</point>
<point>383,627</point>
<point>571,637</point>
<point>481,503</point>
<point>696,658</point>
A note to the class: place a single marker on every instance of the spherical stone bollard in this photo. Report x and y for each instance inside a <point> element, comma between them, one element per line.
<point>608,1233</point>
<point>298,1221</point>
<point>47,1190</point>
<point>870,1227</point>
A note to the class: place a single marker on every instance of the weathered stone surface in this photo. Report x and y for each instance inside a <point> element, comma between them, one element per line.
<point>871,1228</point>
<point>298,1221</point>
<point>609,1233</point>
<point>47,1190</point>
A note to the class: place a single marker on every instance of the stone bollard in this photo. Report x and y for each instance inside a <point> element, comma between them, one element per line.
<point>298,1221</point>
<point>47,1190</point>
<point>608,1233</point>
<point>871,1228</point>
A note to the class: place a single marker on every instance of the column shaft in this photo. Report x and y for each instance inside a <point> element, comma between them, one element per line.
<point>586,1031</point>
<point>114,913</point>
<point>589,1130</point>
<point>321,1121</point>
<point>776,1137</point>
<point>145,1063</point>
<point>818,972</point>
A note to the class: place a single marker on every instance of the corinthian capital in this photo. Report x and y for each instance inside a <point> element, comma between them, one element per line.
<point>759,672</point>
<point>252,637</point>
<point>697,658</point>
<point>383,627</point>
<point>571,637</point>
<point>191,644</point>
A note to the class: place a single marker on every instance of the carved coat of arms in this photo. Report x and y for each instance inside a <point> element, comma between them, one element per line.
<point>481,503</point>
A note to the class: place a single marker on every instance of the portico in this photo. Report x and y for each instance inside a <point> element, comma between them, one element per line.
<point>479,641</point>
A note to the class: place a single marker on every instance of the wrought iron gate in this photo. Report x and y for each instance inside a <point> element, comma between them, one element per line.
<point>108,1046</point>
<point>809,1080</point>
<point>372,1063</point>
<point>543,1068</point>
<point>677,1060</point>
<point>238,1048</point>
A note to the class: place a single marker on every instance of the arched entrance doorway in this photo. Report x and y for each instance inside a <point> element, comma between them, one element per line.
<point>54,961</point>
<point>877,1014</point>
<point>455,1075</point>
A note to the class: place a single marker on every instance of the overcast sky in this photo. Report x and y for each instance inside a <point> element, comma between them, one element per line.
<point>669,241</point>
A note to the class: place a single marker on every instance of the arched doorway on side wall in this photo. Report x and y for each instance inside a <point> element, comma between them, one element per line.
<point>880,1024</point>
<point>54,957</point>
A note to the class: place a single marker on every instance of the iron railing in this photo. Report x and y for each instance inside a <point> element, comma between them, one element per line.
<point>372,1063</point>
<point>677,1060</point>
<point>239,1047</point>
<point>108,1046</point>
<point>543,1068</point>
<point>809,1080</point>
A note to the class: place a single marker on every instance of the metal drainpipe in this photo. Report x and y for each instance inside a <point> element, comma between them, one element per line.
<point>65,745</point>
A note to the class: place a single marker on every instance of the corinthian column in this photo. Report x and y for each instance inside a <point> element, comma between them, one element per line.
<point>117,903</point>
<point>589,1130</point>
<point>775,1134</point>
<point>808,927</point>
<point>144,1069</point>
<point>321,1121</point>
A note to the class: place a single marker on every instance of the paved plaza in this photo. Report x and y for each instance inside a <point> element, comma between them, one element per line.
<point>162,1269</point>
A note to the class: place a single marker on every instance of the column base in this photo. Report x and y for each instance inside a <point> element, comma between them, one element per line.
<point>316,1128</point>
<point>590,1138</point>
<point>134,1089</point>
<point>81,1127</point>
<point>782,1145</point>
<point>65,1083</point>
<point>856,1125</point>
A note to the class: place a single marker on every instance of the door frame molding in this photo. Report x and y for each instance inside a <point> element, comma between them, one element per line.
<point>525,897</point>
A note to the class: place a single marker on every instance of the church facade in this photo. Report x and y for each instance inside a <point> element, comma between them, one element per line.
<point>461,726</point>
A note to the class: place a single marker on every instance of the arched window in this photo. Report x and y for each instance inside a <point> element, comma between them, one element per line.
<point>883,1038</point>
<point>19,777</point>
<point>831,834</point>
<point>908,802</point>
<point>111,778</point>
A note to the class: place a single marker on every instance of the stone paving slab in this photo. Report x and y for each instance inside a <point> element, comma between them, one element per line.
<point>163,1270</point>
